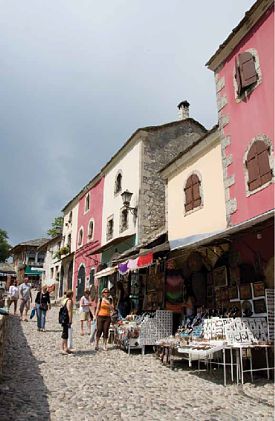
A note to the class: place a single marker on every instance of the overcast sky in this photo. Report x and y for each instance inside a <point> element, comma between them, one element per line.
<point>78,77</point>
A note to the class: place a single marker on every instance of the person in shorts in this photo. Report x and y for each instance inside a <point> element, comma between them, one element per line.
<point>13,295</point>
<point>25,298</point>
<point>85,313</point>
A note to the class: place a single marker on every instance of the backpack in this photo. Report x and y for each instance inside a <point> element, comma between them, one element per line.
<point>63,316</point>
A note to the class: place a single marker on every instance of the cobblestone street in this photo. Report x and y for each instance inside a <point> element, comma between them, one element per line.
<point>41,384</point>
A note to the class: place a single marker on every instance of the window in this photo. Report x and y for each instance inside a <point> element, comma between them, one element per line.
<point>258,166</point>
<point>245,72</point>
<point>91,230</point>
<point>87,202</point>
<point>124,220</point>
<point>70,217</point>
<point>192,193</point>
<point>118,183</point>
<point>69,241</point>
<point>80,236</point>
<point>110,228</point>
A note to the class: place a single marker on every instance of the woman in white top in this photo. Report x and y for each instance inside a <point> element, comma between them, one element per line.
<point>84,310</point>
<point>13,295</point>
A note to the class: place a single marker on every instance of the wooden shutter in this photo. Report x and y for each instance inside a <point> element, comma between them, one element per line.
<point>238,76</point>
<point>247,69</point>
<point>259,171</point>
<point>196,191</point>
<point>192,193</point>
<point>188,195</point>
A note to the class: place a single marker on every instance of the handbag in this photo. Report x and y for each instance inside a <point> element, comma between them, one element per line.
<point>93,331</point>
<point>43,306</point>
<point>32,313</point>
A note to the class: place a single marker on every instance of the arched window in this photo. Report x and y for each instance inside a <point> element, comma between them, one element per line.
<point>91,230</point>
<point>192,193</point>
<point>87,202</point>
<point>80,237</point>
<point>258,166</point>
<point>118,183</point>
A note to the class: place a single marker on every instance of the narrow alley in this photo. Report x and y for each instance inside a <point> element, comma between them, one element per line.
<point>39,383</point>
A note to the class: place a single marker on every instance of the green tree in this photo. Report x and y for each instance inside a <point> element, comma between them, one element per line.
<point>57,226</point>
<point>4,246</point>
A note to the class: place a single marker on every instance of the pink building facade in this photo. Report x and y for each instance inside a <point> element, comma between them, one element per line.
<point>244,73</point>
<point>88,239</point>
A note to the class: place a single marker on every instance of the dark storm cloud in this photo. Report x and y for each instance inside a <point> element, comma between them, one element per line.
<point>77,77</point>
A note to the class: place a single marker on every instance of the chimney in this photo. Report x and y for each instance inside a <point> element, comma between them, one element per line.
<point>183,110</point>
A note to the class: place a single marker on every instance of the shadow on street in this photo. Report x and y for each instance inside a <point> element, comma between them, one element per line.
<point>23,395</point>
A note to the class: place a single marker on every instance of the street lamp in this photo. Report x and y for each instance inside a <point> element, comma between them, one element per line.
<point>126,199</point>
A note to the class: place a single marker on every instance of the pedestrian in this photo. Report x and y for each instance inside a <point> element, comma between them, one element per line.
<point>67,324</point>
<point>42,304</point>
<point>85,313</point>
<point>25,297</point>
<point>103,317</point>
<point>13,295</point>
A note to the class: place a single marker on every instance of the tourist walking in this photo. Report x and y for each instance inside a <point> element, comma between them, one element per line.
<point>13,295</point>
<point>85,313</point>
<point>103,317</point>
<point>67,311</point>
<point>42,304</point>
<point>25,297</point>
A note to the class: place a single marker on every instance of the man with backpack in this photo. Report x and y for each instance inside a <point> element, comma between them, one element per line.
<point>65,319</point>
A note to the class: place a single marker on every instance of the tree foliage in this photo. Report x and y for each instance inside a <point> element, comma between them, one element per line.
<point>4,246</point>
<point>57,226</point>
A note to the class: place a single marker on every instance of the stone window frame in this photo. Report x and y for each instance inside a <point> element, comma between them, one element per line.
<point>123,227</point>
<point>87,201</point>
<point>249,90</point>
<point>90,237</point>
<point>110,235</point>
<point>198,174</point>
<point>118,189</point>
<point>80,238</point>
<point>268,142</point>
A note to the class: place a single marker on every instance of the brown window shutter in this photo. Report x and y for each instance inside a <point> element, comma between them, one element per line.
<point>188,198</point>
<point>196,194</point>
<point>264,167</point>
<point>247,69</point>
<point>254,179</point>
<point>238,76</point>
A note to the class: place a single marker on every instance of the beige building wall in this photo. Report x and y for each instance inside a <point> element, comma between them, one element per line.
<point>212,215</point>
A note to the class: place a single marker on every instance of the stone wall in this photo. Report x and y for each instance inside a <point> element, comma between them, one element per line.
<point>3,333</point>
<point>160,146</point>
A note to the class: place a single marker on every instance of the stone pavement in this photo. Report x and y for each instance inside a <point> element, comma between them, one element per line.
<point>41,384</point>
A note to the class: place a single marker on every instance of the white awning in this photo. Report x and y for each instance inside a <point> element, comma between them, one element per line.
<point>106,272</point>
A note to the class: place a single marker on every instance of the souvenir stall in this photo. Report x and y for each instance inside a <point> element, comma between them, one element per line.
<point>222,342</point>
<point>140,302</point>
<point>224,283</point>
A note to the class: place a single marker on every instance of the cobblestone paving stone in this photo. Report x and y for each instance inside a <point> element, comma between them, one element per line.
<point>39,383</point>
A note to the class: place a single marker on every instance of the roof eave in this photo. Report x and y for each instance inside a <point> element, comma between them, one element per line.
<point>251,17</point>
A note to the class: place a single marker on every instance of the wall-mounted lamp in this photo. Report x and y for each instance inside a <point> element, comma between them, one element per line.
<point>126,199</point>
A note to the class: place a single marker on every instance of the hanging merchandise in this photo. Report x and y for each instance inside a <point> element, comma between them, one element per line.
<point>133,264</point>
<point>123,268</point>
<point>144,261</point>
<point>174,291</point>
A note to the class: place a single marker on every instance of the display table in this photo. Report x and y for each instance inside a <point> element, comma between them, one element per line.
<point>137,332</point>
<point>235,338</point>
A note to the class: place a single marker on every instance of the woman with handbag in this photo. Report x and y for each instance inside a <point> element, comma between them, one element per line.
<point>103,318</point>
<point>42,303</point>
